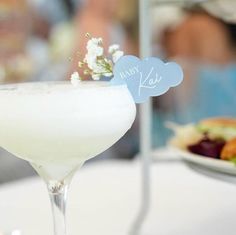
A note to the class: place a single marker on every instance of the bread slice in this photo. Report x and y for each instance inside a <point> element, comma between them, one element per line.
<point>219,122</point>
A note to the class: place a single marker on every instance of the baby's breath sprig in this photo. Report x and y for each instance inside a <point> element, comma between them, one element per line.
<point>95,63</point>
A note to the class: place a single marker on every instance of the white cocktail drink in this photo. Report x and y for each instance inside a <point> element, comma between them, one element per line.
<point>57,127</point>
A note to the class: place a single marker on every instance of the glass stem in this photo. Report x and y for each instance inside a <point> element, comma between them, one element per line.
<point>58,196</point>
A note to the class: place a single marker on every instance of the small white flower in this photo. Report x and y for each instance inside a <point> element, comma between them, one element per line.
<point>108,74</point>
<point>116,56</point>
<point>98,69</point>
<point>113,48</point>
<point>94,42</point>
<point>93,64</point>
<point>91,60</point>
<point>94,47</point>
<point>95,50</point>
<point>99,51</point>
<point>75,78</point>
<point>97,64</point>
<point>96,77</point>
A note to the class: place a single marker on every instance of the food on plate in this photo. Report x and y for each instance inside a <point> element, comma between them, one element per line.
<point>229,150</point>
<point>213,137</point>
<point>207,147</point>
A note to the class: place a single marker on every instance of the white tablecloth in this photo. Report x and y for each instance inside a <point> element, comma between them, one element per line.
<point>105,196</point>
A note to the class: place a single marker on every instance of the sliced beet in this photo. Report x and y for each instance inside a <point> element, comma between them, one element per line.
<point>208,147</point>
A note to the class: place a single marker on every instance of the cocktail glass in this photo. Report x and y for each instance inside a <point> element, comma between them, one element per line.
<point>57,127</point>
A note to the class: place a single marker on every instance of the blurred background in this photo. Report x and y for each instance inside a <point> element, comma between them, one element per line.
<point>43,40</point>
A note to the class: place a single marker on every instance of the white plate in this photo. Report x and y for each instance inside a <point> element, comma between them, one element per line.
<point>210,163</point>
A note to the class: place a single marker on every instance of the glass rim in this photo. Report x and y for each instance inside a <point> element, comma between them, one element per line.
<point>15,86</point>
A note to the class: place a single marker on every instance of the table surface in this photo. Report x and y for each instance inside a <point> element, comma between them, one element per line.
<point>105,196</point>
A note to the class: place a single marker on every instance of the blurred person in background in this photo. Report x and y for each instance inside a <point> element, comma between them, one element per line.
<point>205,47</point>
<point>128,15</point>
<point>115,21</point>
<point>15,65</point>
<point>53,33</point>
<point>37,39</point>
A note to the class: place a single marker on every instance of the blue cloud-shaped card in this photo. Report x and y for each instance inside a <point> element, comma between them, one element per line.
<point>147,77</point>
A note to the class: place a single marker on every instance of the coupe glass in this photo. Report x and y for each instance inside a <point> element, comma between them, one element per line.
<point>57,127</point>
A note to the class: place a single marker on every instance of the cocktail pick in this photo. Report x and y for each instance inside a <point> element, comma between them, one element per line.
<point>146,78</point>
